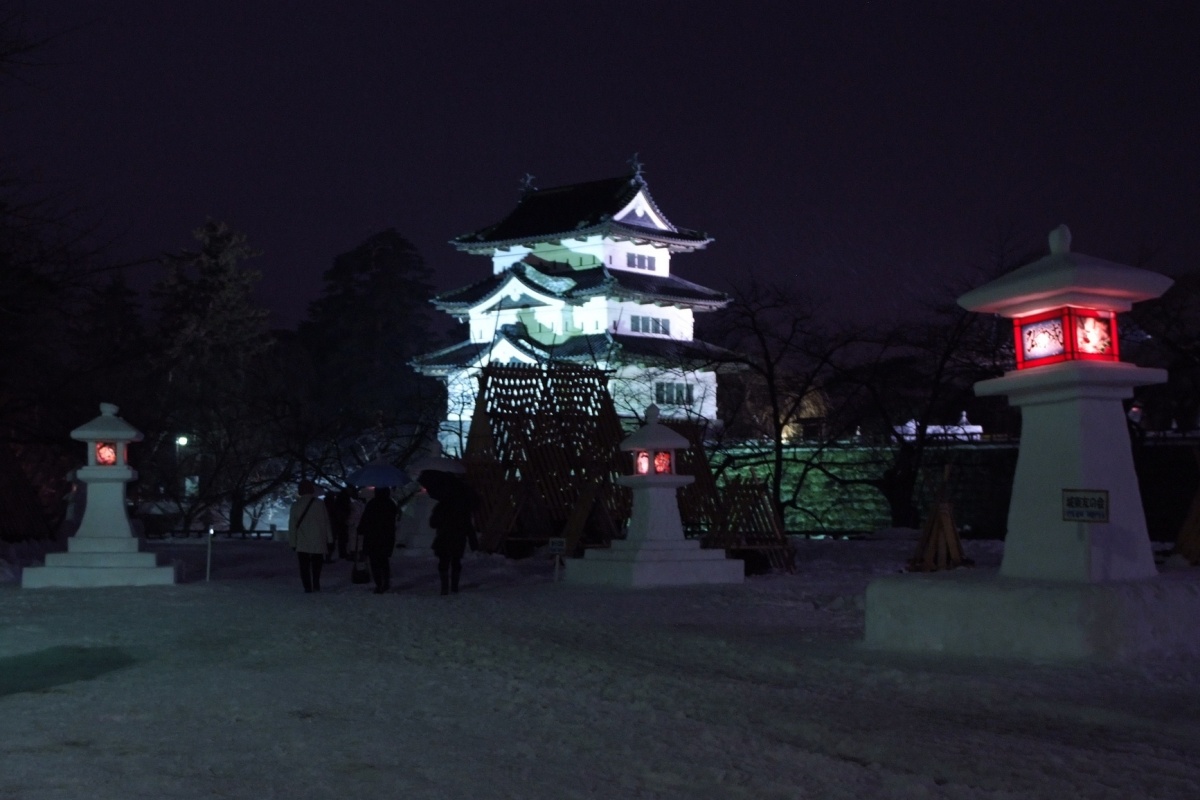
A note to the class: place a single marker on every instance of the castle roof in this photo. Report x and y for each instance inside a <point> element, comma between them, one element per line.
<point>603,207</point>
<point>581,284</point>
<point>607,348</point>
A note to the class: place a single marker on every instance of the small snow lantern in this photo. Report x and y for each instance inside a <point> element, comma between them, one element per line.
<point>653,446</point>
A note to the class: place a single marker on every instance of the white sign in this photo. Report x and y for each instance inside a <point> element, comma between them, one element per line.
<point>1085,505</point>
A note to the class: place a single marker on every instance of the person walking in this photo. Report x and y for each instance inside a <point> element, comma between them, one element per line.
<point>378,530</point>
<point>309,534</point>
<point>451,520</point>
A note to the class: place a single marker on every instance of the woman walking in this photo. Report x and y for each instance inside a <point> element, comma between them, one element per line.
<point>309,534</point>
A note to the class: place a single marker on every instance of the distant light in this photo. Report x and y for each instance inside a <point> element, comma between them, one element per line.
<point>181,441</point>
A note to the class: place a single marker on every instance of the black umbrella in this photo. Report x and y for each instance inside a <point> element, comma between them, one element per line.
<point>379,474</point>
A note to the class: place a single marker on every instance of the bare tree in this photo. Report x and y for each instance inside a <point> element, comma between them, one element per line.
<point>774,385</point>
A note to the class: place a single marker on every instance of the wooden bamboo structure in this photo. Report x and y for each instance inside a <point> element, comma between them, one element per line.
<point>542,454</point>
<point>940,546</point>
<point>748,522</point>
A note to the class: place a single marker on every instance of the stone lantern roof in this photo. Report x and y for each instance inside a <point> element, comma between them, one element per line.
<point>107,427</point>
<point>1064,278</point>
<point>654,435</point>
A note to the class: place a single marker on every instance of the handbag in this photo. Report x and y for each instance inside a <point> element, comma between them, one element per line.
<point>359,573</point>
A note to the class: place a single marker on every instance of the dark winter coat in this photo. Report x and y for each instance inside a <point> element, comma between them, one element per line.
<point>451,517</point>
<point>452,521</point>
<point>378,525</point>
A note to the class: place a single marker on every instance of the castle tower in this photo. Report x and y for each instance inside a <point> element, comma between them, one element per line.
<point>583,273</point>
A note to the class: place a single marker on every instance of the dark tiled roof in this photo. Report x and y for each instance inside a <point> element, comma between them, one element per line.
<point>649,347</point>
<point>585,283</point>
<point>580,209</point>
<point>438,362</point>
<point>643,286</point>
<point>587,348</point>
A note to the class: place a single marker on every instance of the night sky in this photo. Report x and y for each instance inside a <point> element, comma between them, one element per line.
<point>872,153</point>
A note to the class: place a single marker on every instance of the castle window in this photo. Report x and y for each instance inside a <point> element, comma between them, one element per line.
<point>639,261</point>
<point>673,394</point>
<point>650,325</point>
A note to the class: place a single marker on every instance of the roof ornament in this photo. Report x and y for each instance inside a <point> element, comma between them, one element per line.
<point>635,165</point>
<point>525,186</point>
<point>1060,240</point>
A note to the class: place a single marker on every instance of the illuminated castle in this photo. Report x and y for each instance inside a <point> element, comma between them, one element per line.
<point>582,273</point>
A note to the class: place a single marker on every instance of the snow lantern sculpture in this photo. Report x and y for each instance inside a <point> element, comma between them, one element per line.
<point>107,438</point>
<point>1076,511</point>
<point>655,513</point>
<point>655,551</point>
<point>104,551</point>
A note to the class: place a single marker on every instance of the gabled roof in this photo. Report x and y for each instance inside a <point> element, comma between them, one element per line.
<point>607,348</point>
<point>582,284</point>
<point>580,210</point>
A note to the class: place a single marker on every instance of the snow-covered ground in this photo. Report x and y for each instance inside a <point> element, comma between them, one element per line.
<point>245,687</point>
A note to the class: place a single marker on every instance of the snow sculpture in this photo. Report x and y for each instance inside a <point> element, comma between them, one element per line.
<point>1078,578</point>
<point>104,551</point>
<point>654,552</point>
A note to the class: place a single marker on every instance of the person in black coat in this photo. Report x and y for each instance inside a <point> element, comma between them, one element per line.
<point>378,530</point>
<point>451,520</point>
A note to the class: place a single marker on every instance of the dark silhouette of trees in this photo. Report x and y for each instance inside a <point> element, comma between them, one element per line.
<point>372,318</point>
<point>212,351</point>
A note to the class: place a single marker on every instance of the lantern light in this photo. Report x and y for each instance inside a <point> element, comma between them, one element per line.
<point>1065,334</point>
<point>106,453</point>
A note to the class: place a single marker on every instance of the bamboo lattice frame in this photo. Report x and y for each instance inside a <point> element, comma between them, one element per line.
<point>543,454</point>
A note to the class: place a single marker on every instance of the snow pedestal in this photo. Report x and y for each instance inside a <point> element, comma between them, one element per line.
<point>104,551</point>
<point>980,613</point>
<point>1078,578</point>
<point>413,529</point>
<point>654,552</point>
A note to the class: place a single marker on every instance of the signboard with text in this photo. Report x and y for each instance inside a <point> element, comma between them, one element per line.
<point>1085,505</point>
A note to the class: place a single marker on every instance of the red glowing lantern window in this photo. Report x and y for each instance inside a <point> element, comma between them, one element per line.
<point>106,453</point>
<point>662,462</point>
<point>1065,334</point>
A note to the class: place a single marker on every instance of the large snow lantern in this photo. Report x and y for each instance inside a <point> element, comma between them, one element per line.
<point>1069,384</point>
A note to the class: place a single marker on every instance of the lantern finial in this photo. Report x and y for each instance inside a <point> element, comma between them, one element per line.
<point>652,414</point>
<point>1060,240</point>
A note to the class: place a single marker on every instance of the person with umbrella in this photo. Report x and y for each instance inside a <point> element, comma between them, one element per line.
<point>371,477</point>
<point>451,519</point>
<point>378,530</point>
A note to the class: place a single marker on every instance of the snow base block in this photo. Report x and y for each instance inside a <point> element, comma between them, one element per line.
<point>984,614</point>
<point>93,561</point>
<point>654,563</point>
